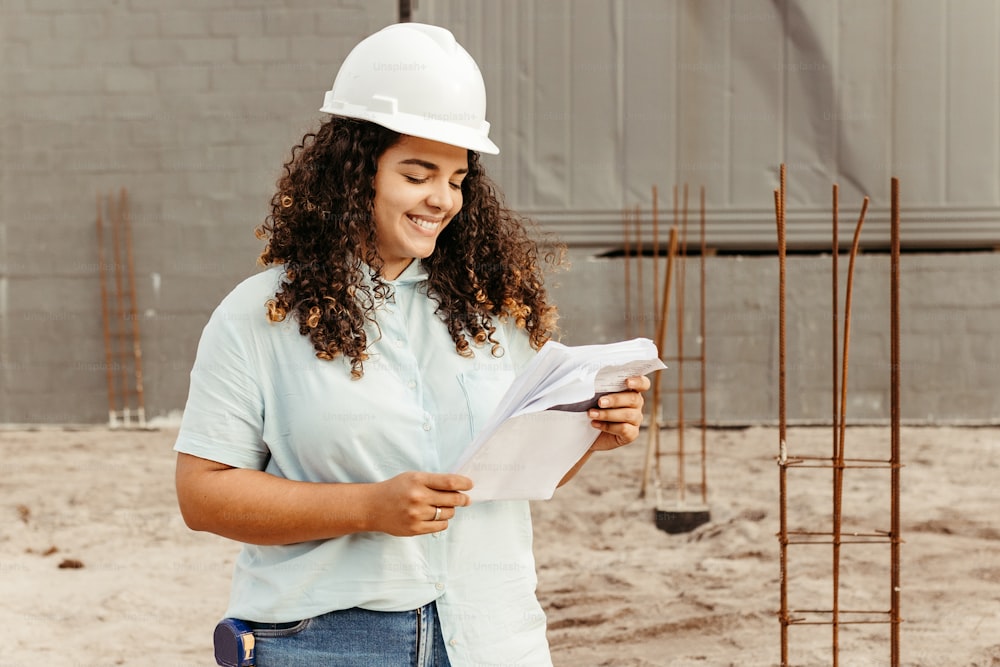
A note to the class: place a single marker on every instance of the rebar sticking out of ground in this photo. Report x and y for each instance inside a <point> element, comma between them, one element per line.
<point>656,260</point>
<point>783,615</point>
<point>119,355</point>
<point>126,221</point>
<point>105,315</point>
<point>122,330</point>
<point>895,461</point>
<point>681,267</point>
<point>838,460</point>
<point>838,463</point>
<point>640,308</point>
<point>653,443</point>
<point>704,351</point>
<point>835,308</point>
<point>627,259</point>
<point>681,515</point>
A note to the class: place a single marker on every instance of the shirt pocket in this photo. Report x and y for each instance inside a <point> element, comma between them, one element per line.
<point>483,388</point>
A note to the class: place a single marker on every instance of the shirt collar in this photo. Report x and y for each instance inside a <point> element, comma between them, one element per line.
<point>412,274</point>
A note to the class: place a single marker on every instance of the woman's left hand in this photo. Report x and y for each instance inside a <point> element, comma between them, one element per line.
<point>619,415</point>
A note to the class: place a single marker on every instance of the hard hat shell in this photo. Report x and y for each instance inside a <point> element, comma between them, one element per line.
<point>414,79</point>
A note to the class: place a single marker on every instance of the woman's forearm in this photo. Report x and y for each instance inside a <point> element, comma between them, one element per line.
<point>259,508</point>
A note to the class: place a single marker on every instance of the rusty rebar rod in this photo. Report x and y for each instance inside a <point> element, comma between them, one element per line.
<point>656,261</point>
<point>640,309</point>
<point>661,330</point>
<point>654,427</point>
<point>121,333</point>
<point>883,535</point>
<point>626,256</point>
<point>704,354</point>
<point>681,268</point>
<point>105,315</point>
<point>836,457</point>
<point>783,615</point>
<point>797,463</point>
<point>835,308</point>
<point>895,425</point>
<point>801,621</point>
<point>133,309</point>
<point>675,227</point>
<point>838,468</point>
<point>653,443</point>
<point>846,459</point>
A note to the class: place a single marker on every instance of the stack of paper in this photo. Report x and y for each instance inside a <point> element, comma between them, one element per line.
<point>541,429</point>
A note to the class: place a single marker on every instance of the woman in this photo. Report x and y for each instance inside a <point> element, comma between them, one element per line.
<point>333,391</point>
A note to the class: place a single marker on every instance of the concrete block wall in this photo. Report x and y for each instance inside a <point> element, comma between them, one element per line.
<point>949,333</point>
<point>193,105</point>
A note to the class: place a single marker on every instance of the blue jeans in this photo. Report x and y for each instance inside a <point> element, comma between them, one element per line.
<point>354,638</point>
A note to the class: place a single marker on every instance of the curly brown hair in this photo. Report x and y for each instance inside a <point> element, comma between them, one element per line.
<point>485,265</point>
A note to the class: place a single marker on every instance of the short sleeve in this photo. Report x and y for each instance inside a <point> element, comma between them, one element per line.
<point>518,346</point>
<point>224,415</point>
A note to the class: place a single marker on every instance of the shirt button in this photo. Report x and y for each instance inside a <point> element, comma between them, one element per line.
<point>427,427</point>
<point>435,535</point>
<point>453,642</point>
<point>411,384</point>
<point>439,586</point>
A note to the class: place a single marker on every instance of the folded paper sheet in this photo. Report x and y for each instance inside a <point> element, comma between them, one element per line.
<point>540,429</point>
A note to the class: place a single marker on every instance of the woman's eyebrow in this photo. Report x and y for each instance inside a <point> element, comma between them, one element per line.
<point>428,165</point>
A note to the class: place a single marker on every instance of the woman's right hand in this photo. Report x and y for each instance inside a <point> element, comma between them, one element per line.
<point>408,503</point>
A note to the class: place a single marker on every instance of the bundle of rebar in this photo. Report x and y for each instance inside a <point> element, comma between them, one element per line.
<point>122,340</point>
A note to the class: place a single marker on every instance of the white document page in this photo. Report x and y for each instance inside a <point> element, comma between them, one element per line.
<point>528,455</point>
<point>540,428</point>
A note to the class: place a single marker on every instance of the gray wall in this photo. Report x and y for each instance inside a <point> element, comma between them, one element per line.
<point>949,330</point>
<point>193,106</point>
<point>596,101</point>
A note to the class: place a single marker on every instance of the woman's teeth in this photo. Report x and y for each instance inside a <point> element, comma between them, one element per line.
<point>424,224</point>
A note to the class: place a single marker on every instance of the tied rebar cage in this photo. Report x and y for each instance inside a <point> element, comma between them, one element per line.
<point>119,315</point>
<point>838,462</point>
<point>681,514</point>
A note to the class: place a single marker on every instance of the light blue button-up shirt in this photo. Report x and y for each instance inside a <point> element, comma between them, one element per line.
<point>259,398</point>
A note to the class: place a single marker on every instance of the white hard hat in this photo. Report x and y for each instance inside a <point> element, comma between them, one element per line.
<point>414,79</point>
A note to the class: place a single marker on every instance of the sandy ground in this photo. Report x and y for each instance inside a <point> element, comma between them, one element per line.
<point>618,591</point>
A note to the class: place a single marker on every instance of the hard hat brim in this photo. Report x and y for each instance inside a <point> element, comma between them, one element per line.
<point>444,130</point>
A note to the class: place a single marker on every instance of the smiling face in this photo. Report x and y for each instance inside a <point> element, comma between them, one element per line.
<point>418,190</point>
